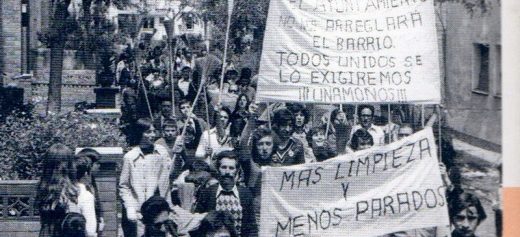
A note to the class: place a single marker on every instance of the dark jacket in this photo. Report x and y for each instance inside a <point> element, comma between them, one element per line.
<point>208,202</point>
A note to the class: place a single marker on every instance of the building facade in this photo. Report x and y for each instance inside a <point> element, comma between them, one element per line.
<point>472,86</point>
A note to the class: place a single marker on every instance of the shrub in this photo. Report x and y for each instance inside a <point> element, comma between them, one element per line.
<point>25,139</point>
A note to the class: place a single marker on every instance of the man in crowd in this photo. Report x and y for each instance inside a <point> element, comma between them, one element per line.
<point>161,219</point>
<point>466,213</point>
<point>146,169</point>
<point>229,197</point>
<point>290,150</point>
<point>366,118</point>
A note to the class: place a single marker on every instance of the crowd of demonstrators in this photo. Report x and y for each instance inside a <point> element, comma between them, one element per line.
<point>197,146</point>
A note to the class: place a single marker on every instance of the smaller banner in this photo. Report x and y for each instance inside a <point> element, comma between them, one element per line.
<point>369,193</point>
<point>345,51</point>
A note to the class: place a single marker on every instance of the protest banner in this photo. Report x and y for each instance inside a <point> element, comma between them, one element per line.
<point>368,193</point>
<point>350,51</point>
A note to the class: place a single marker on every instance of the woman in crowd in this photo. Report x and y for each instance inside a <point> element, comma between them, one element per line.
<point>86,199</point>
<point>56,193</point>
<point>322,144</point>
<point>92,157</point>
<point>239,116</point>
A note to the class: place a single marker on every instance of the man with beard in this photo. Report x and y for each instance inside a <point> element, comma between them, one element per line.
<point>290,150</point>
<point>366,118</point>
<point>146,170</point>
<point>227,196</point>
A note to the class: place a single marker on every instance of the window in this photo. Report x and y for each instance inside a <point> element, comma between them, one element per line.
<point>498,70</point>
<point>481,69</point>
<point>148,23</point>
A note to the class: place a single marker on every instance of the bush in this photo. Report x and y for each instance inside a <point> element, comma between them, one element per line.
<point>24,139</point>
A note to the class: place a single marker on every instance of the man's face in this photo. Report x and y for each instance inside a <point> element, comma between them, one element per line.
<point>366,117</point>
<point>318,139</point>
<point>150,134</point>
<point>265,147</point>
<point>186,73</point>
<point>228,167</point>
<point>170,132</point>
<point>285,130</point>
<point>185,109</point>
<point>233,77</point>
<point>223,118</point>
<point>466,222</point>
<point>300,119</point>
<point>166,109</point>
<point>341,118</point>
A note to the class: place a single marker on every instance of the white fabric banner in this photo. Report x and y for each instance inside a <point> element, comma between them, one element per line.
<point>369,193</point>
<point>350,51</point>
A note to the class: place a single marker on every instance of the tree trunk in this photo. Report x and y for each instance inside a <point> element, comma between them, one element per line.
<point>57,46</point>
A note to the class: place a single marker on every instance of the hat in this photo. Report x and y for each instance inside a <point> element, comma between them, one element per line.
<point>152,207</point>
<point>90,153</point>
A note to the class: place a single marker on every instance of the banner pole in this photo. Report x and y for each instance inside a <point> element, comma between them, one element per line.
<point>328,125</point>
<point>422,115</point>
<point>230,11</point>
<point>269,116</point>
<point>207,113</point>
<point>390,138</point>
<point>440,132</point>
<point>356,114</point>
<point>170,72</point>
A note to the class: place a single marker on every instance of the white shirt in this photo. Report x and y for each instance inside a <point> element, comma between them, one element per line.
<point>210,139</point>
<point>87,208</point>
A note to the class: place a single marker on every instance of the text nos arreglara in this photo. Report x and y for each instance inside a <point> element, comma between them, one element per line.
<point>391,23</point>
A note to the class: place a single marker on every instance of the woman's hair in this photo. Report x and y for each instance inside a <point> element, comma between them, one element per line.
<point>314,131</point>
<point>225,109</point>
<point>238,102</point>
<point>257,136</point>
<point>360,135</point>
<point>56,183</point>
<point>217,220</point>
<point>83,166</point>
<point>296,108</point>
<point>74,225</point>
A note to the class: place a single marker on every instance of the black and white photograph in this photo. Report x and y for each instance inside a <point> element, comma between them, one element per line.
<point>242,118</point>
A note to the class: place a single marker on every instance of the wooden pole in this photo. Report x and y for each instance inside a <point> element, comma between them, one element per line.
<point>328,125</point>
<point>170,72</point>
<point>439,109</point>
<point>225,55</point>
<point>422,116</point>
<point>269,116</point>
